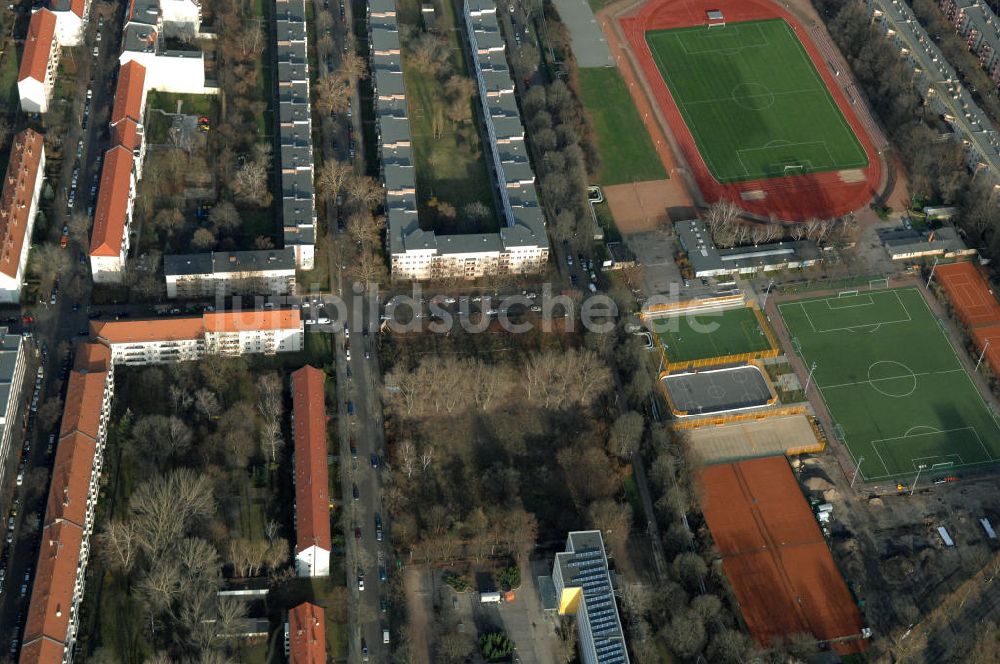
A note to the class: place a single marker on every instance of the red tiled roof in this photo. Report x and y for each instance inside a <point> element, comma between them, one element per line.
<point>92,357</point>
<point>137,331</point>
<point>84,400</point>
<point>38,45</point>
<point>41,651</point>
<point>110,217</point>
<point>240,321</point>
<point>306,634</point>
<point>312,497</point>
<point>129,93</point>
<point>71,479</point>
<point>15,202</point>
<point>52,592</point>
<point>126,134</point>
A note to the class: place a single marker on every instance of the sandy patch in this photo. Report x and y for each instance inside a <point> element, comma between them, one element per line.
<point>645,206</point>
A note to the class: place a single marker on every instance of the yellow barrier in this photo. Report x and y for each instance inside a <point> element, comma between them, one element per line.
<point>666,308</point>
<point>721,420</point>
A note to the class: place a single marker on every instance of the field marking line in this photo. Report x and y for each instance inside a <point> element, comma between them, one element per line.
<point>878,380</point>
<point>885,466</point>
<point>961,460</point>
<point>731,98</point>
<point>869,303</point>
<point>808,317</point>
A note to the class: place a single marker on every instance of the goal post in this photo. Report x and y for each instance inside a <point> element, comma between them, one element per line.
<point>874,284</point>
<point>847,293</point>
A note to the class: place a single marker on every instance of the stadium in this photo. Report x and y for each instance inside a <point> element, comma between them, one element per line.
<point>753,106</point>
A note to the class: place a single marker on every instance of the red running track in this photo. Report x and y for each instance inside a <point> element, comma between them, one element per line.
<point>790,198</point>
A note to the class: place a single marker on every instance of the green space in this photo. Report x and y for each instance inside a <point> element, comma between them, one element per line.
<point>711,334</point>
<point>449,159</point>
<point>8,77</point>
<point>901,399</point>
<point>627,152</point>
<point>190,104</point>
<point>753,101</point>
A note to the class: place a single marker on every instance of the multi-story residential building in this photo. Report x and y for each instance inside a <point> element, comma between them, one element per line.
<point>71,20</point>
<point>12,361</point>
<point>51,623</point>
<point>128,111</point>
<point>976,22</point>
<point>241,333</point>
<point>109,240</point>
<point>167,340</point>
<point>155,341</point>
<point>521,246</point>
<point>305,635</point>
<point>22,188</point>
<point>148,26</point>
<point>224,273</point>
<point>298,196</point>
<point>583,588</point>
<point>312,493</point>
<point>39,63</point>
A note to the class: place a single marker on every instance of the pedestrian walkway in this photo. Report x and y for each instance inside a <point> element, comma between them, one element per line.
<point>585,34</point>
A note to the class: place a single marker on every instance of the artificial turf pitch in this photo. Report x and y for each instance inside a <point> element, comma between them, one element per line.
<point>712,334</point>
<point>893,383</point>
<point>753,101</point>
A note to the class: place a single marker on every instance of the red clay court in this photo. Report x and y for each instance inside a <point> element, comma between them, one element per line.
<point>974,304</point>
<point>774,554</point>
<point>790,197</point>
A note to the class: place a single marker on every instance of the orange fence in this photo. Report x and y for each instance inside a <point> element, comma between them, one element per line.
<point>737,358</point>
<point>720,420</point>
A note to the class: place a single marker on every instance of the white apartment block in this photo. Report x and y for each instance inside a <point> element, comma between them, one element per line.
<point>39,63</point>
<point>222,273</point>
<point>22,187</point>
<point>109,240</point>
<point>12,361</point>
<point>71,20</point>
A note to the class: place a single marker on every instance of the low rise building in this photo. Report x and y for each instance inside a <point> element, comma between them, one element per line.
<point>224,273</point>
<point>52,619</point>
<point>583,588</point>
<point>22,188</point>
<point>168,340</point>
<point>39,63</point>
<point>305,635</point>
<point>13,358</point>
<point>910,244</point>
<point>707,260</point>
<point>312,493</point>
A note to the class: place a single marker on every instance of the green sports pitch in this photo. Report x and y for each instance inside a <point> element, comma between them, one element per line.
<point>753,100</point>
<point>901,399</point>
<point>710,334</point>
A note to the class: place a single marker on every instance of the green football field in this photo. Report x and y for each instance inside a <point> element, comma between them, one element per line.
<point>711,334</point>
<point>753,100</point>
<point>900,397</point>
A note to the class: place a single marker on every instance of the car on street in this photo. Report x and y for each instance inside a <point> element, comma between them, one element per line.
<point>374,461</point>
<point>361,583</point>
<point>357,533</point>
<point>354,492</point>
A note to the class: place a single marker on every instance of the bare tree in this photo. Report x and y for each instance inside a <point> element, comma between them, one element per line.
<point>332,93</point>
<point>224,216</point>
<point>613,519</point>
<point>353,66</point>
<point>366,191</point>
<point>407,458</point>
<point>250,184</point>
<point>119,544</point>
<point>49,261</point>
<point>626,434</point>
<point>271,407</point>
<point>207,403</point>
<point>333,177</point>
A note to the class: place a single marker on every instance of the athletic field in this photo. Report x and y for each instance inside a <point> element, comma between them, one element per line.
<point>901,399</point>
<point>753,101</point>
<point>712,334</point>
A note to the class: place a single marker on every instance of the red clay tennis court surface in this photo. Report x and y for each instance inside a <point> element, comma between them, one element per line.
<point>974,304</point>
<point>793,197</point>
<point>775,556</point>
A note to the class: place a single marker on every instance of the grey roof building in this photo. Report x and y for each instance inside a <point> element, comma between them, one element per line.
<point>707,260</point>
<point>270,271</point>
<point>12,366</point>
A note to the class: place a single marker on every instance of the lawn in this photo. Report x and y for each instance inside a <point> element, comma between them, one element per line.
<point>190,104</point>
<point>9,65</point>
<point>627,152</point>
<point>449,163</point>
<point>753,101</point>
<point>899,395</point>
<point>711,334</point>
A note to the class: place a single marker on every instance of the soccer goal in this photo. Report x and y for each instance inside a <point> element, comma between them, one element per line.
<point>847,293</point>
<point>875,284</point>
<point>794,169</point>
<point>716,19</point>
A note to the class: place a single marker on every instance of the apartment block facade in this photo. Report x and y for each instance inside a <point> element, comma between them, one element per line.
<point>22,188</point>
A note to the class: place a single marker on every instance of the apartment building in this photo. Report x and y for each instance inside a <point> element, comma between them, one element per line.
<point>225,273</point>
<point>22,187</point>
<point>149,25</point>
<point>168,340</point>
<point>298,195</point>
<point>305,635</point>
<point>52,619</point>
<point>312,482</point>
<point>71,20</point>
<point>109,239</point>
<point>976,22</point>
<point>128,111</point>
<point>13,358</point>
<point>521,246</point>
<point>583,588</point>
<point>39,63</point>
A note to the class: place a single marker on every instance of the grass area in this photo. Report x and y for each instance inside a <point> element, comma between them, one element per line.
<point>607,222</point>
<point>449,162</point>
<point>9,64</point>
<point>711,334</point>
<point>901,399</point>
<point>753,100</point>
<point>190,104</point>
<point>627,152</point>
<point>265,80</point>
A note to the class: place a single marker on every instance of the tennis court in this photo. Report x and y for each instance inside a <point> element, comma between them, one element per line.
<point>711,334</point>
<point>753,101</point>
<point>901,399</point>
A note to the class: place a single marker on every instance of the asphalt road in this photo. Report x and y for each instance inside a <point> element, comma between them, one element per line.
<point>53,325</point>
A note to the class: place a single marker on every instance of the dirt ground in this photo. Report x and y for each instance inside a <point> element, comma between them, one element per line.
<point>418,586</point>
<point>645,206</point>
